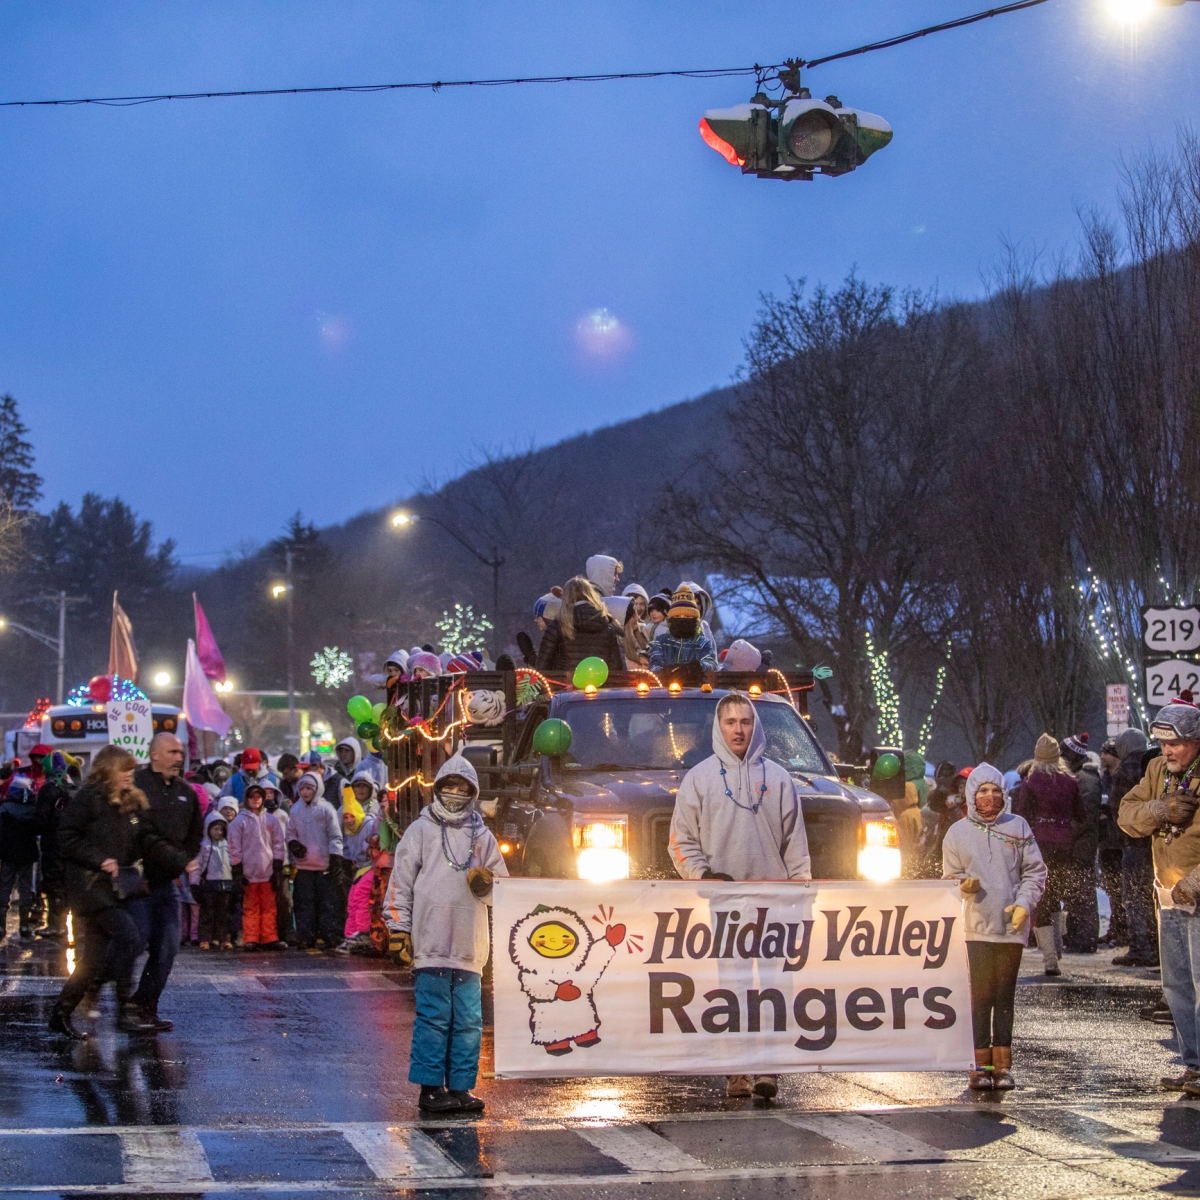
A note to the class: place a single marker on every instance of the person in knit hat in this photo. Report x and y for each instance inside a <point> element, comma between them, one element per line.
<point>1137,860</point>
<point>1083,915</point>
<point>995,856</point>
<point>656,614</point>
<point>683,642</point>
<point>1048,798</point>
<point>1163,807</point>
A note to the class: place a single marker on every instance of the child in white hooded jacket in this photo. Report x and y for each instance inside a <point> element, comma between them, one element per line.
<point>437,910</point>
<point>1002,878</point>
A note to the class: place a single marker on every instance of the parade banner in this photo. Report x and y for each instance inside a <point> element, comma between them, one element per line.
<point>642,977</point>
<point>131,726</point>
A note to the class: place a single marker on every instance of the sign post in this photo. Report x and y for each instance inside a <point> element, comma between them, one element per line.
<point>1172,655</point>
<point>131,726</point>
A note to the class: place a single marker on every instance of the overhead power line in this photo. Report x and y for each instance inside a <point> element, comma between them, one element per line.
<point>437,85</point>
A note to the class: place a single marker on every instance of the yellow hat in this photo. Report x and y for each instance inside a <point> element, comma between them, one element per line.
<point>352,809</point>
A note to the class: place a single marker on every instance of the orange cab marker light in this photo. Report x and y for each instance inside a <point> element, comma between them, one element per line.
<point>720,145</point>
<point>755,690</point>
<point>675,689</point>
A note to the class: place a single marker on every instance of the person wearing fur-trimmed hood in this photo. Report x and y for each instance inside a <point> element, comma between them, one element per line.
<point>1002,875</point>
<point>437,910</point>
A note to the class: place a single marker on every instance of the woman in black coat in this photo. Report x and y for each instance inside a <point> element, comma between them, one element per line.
<point>103,837</point>
<point>583,629</point>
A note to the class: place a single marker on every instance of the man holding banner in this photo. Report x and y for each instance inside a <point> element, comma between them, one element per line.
<point>737,817</point>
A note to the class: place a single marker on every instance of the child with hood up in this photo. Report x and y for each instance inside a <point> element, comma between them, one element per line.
<point>359,820</point>
<point>1002,876</point>
<point>437,910</point>
<point>257,851</point>
<point>212,880</point>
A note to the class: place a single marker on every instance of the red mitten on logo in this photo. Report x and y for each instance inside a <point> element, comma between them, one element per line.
<point>567,991</point>
<point>614,935</point>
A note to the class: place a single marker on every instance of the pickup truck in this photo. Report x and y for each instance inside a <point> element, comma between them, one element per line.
<point>602,810</point>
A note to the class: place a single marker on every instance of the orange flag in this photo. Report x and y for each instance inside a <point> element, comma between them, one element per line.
<point>122,658</point>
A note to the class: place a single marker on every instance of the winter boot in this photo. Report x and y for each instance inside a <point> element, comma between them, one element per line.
<point>1045,940</point>
<point>1060,928</point>
<point>980,1079</point>
<point>60,1023</point>
<point>437,1100</point>
<point>766,1087</point>
<point>1176,1083</point>
<point>467,1101</point>
<point>1002,1079</point>
<point>737,1087</point>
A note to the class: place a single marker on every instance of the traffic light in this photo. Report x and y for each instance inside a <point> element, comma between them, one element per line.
<point>794,138</point>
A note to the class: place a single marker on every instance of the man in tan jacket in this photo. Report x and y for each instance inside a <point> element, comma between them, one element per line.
<point>1163,806</point>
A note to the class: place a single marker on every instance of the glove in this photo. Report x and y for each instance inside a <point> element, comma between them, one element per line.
<point>567,991</point>
<point>614,935</point>
<point>400,944</point>
<point>1184,892</point>
<point>277,873</point>
<point>239,878</point>
<point>717,875</point>
<point>1017,915</point>
<point>1181,807</point>
<point>968,886</point>
<point>297,849</point>
<point>479,880</point>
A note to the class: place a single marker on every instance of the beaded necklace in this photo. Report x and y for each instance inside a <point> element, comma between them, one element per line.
<point>1167,830</point>
<point>762,791</point>
<point>448,854</point>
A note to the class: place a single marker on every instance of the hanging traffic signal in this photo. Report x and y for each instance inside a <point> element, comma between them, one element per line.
<point>794,138</point>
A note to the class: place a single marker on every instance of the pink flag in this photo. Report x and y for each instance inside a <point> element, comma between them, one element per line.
<point>200,702</point>
<point>206,646</point>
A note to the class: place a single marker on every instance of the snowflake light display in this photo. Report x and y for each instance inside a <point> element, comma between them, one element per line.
<point>462,630</point>
<point>332,667</point>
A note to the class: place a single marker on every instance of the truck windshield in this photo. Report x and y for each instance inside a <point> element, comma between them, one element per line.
<point>661,734</point>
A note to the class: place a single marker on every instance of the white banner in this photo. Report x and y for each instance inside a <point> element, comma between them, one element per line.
<point>131,726</point>
<point>643,977</point>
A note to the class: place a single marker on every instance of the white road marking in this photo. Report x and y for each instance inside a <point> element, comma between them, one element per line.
<point>151,1156</point>
<point>638,1148</point>
<point>397,1153</point>
<point>863,1135</point>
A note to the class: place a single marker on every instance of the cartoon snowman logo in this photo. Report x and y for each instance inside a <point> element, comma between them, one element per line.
<point>559,964</point>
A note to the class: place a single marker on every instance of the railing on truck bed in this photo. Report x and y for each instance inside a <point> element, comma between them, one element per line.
<point>430,722</point>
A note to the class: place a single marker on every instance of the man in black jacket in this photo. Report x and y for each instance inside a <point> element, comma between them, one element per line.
<point>175,817</point>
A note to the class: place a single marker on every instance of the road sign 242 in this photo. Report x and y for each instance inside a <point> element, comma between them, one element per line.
<point>1169,634</point>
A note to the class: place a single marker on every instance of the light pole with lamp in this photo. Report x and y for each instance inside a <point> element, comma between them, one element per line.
<point>57,644</point>
<point>285,590</point>
<point>403,520</point>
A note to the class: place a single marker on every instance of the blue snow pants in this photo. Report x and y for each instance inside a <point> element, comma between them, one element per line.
<point>448,1029</point>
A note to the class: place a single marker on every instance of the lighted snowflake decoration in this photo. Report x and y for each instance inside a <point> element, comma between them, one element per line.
<point>332,667</point>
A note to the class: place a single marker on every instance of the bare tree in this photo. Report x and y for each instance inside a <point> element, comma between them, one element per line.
<point>819,515</point>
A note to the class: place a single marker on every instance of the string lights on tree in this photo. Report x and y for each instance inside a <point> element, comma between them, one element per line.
<point>887,699</point>
<point>1107,633</point>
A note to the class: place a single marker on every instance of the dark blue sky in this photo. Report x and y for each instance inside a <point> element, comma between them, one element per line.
<point>228,310</point>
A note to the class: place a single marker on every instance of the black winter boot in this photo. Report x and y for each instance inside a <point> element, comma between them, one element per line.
<point>60,1023</point>
<point>438,1100</point>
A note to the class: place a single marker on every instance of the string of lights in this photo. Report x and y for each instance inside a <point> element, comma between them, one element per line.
<point>755,71</point>
<point>939,683</point>
<point>1109,641</point>
<point>887,699</point>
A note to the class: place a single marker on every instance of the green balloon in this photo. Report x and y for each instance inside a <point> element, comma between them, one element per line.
<point>367,730</point>
<point>377,709</point>
<point>886,766</point>
<point>590,672</point>
<point>552,737</point>
<point>359,708</point>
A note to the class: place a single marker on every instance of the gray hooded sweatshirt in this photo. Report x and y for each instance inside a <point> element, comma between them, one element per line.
<point>713,831</point>
<point>427,894</point>
<point>1004,858</point>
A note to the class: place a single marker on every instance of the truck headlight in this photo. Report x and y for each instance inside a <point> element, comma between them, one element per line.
<point>601,851</point>
<point>879,850</point>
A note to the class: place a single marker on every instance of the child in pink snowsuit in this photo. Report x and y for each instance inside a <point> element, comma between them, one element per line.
<point>358,828</point>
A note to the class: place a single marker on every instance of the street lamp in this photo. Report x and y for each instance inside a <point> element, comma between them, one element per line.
<point>278,591</point>
<point>1132,11</point>
<point>162,679</point>
<point>57,644</point>
<point>405,520</point>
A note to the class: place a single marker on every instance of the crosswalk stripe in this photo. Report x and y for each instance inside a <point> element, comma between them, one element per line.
<point>861,1134</point>
<point>396,1153</point>
<point>638,1148</point>
<point>160,1157</point>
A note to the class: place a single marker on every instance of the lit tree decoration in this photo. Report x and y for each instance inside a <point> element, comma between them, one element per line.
<point>887,699</point>
<point>1107,632</point>
<point>332,667</point>
<point>461,630</point>
<point>939,683</point>
<point>122,689</point>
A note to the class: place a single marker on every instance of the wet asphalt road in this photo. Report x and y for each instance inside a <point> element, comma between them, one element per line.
<point>286,1076</point>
